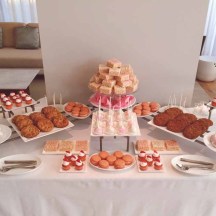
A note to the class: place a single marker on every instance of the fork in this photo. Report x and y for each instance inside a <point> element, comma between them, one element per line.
<point>187,167</point>
<point>7,168</point>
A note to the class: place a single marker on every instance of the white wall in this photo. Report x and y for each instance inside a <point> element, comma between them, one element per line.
<point>160,39</point>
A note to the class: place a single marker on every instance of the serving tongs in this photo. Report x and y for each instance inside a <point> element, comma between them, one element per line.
<point>21,162</point>
<point>6,168</point>
<point>196,161</point>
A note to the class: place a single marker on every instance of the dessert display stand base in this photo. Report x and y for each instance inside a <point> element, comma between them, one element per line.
<point>101,142</point>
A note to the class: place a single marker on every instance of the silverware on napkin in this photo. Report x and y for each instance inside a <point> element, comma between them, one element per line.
<point>198,166</point>
<point>4,169</point>
<point>196,161</point>
<point>32,162</point>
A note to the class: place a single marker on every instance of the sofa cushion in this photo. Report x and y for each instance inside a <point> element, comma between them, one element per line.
<point>8,32</point>
<point>1,38</point>
<point>27,37</point>
<point>20,58</point>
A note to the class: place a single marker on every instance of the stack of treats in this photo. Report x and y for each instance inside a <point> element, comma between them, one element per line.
<point>114,78</point>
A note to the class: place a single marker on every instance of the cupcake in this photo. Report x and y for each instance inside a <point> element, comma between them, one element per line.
<point>79,165</point>
<point>12,94</point>
<point>158,165</point>
<point>14,99</point>
<point>18,102</point>
<point>149,160</point>
<point>155,155</point>
<point>65,164</point>
<point>8,105</point>
<point>142,156</point>
<point>68,155</point>
<point>143,166</point>
<point>28,100</point>
<point>21,92</point>
<point>23,96</point>
<point>5,99</point>
<point>73,160</point>
<point>82,155</point>
<point>2,96</point>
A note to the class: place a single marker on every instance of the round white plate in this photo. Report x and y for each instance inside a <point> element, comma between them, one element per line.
<point>207,142</point>
<point>5,133</point>
<point>111,168</point>
<point>20,171</point>
<point>193,171</point>
<point>90,112</point>
<point>144,115</point>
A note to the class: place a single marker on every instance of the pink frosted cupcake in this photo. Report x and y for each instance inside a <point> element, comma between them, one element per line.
<point>155,155</point>
<point>73,160</point>
<point>82,155</point>
<point>149,160</point>
<point>18,102</point>
<point>28,100</point>
<point>68,155</point>
<point>142,156</point>
<point>8,105</point>
<point>12,94</point>
<point>23,96</point>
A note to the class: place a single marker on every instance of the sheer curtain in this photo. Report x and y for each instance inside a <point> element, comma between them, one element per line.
<point>18,11</point>
<point>209,48</point>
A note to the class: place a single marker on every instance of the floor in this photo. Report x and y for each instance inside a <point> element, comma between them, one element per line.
<point>202,91</point>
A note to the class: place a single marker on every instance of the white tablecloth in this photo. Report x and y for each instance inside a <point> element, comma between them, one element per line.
<point>97,193</point>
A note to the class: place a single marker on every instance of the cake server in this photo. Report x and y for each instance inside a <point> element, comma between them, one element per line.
<point>196,161</point>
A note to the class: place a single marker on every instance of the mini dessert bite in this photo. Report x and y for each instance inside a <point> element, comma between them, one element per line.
<point>111,159</point>
<point>155,155</point>
<point>14,99</point>
<point>2,95</point>
<point>21,92</point>
<point>73,160</point>
<point>142,156</point>
<point>118,154</point>
<point>143,166</point>
<point>149,160</point>
<point>68,155</point>
<point>114,63</point>
<point>119,164</point>
<point>8,105</point>
<point>128,159</point>
<point>95,159</point>
<point>143,145</point>
<point>12,94</point>
<point>158,145</point>
<point>65,164</point>
<point>104,164</point>
<point>18,102</point>
<point>28,100</point>
<point>172,145</point>
<point>79,165</point>
<point>103,155</point>
<point>158,165</point>
<point>23,96</point>
<point>82,155</point>
<point>213,103</point>
<point>213,140</point>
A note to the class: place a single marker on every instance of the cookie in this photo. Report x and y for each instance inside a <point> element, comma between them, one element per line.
<point>118,154</point>
<point>111,159</point>
<point>45,125</point>
<point>52,114</point>
<point>48,109</point>
<point>95,159</point>
<point>60,121</point>
<point>103,164</point>
<point>17,118</point>
<point>36,116</point>
<point>128,159</point>
<point>161,119</point>
<point>119,164</point>
<point>22,123</point>
<point>30,131</point>
<point>103,155</point>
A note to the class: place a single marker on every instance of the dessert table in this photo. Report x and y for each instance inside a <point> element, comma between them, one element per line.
<point>46,191</point>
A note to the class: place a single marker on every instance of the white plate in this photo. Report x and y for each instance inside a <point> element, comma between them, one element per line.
<point>192,171</point>
<point>207,142</point>
<point>41,134</point>
<point>132,102</point>
<point>76,117</point>
<point>111,168</point>
<point>20,170</point>
<point>145,115</point>
<point>6,131</point>
<point>22,106</point>
<point>73,170</point>
<point>166,152</point>
<point>150,169</point>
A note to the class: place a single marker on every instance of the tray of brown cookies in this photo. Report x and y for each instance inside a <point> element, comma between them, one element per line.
<point>146,108</point>
<point>112,161</point>
<point>39,124</point>
<point>77,110</point>
<point>180,123</point>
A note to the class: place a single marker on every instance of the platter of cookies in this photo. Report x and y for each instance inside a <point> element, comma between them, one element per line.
<point>61,146</point>
<point>15,101</point>
<point>146,108</point>
<point>39,124</point>
<point>182,124</point>
<point>112,161</point>
<point>77,110</point>
<point>74,163</point>
<point>162,146</point>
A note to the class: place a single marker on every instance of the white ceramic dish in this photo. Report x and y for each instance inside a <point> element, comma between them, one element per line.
<point>76,117</point>
<point>22,106</point>
<point>20,171</point>
<point>166,152</point>
<point>193,171</point>
<point>6,133</point>
<point>41,134</point>
<point>135,124</point>
<point>150,169</point>
<point>145,115</point>
<point>132,102</point>
<point>111,168</point>
<point>207,142</point>
<point>73,170</point>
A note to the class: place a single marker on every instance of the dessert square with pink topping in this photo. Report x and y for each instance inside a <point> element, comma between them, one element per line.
<point>109,83</point>
<point>114,71</point>
<point>158,145</point>
<point>105,90</point>
<point>82,145</point>
<point>119,90</point>
<point>103,68</point>
<point>114,63</point>
<point>172,145</point>
<point>94,86</point>
<point>66,145</point>
<point>143,145</point>
<point>51,145</point>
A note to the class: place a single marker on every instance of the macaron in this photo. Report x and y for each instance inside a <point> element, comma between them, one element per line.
<point>104,164</point>
<point>95,159</point>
